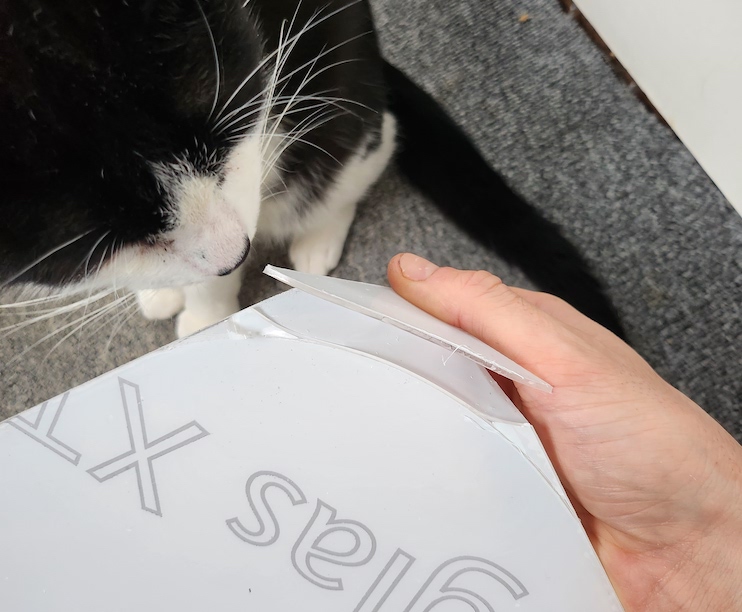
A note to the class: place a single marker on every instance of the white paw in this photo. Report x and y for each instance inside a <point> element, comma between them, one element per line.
<point>190,322</point>
<point>161,303</point>
<point>316,253</point>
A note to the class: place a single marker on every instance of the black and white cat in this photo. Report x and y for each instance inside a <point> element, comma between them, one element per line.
<point>145,143</point>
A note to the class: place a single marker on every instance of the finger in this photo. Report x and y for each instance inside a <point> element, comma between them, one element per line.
<point>484,306</point>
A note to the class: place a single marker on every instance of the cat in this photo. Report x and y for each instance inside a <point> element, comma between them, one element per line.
<point>145,144</point>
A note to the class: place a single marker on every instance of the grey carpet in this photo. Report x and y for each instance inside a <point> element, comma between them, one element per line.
<point>548,112</point>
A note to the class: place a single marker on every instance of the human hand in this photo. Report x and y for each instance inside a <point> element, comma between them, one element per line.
<point>656,481</point>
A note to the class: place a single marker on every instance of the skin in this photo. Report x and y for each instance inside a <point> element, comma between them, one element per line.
<point>656,481</point>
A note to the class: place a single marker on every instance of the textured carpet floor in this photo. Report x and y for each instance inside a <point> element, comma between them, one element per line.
<point>548,112</point>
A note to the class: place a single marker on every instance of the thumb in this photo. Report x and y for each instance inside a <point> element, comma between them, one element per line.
<point>504,318</point>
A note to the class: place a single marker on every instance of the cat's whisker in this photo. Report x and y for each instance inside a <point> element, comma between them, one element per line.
<point>281,61</point>
<point>114,266</point>
<point>86,317</point>
<point>275,145</point>
<point>281,178</point>
<point>216,58</point>
<point>51,313</point>
<point>286,44</point>
<point>256,100</point>
<point>101,314</point>
<point>60,294</point>
<point>218,118</point>
<point>271,193</point>
<point>92,252</point>
<point>314,60</point>
<point>316,146</point>
<point>294,140</point>
<point>38,312</point>
<point>296,93</point>
<point>85,263</point>
<point>115,291</point>
<point>295,135</point>
<point>254,107</point>
<point>316,97</point>
<point>275,124</point>
<point>97,273</point>
<point>75,304</point>
<point>262,105</point>
<point>269,90</point>
<point>31,302</point>
<point>286,140</point>
<point>283,52</point>
<point>43,258</point>
<point>309,63</point>
<point>126,306</point>
<point>130,310</point>
<point>79,324</point>
<point>308,78</point>
<point>320,102</point>
<point>308,26</point>
<point>268,58</point>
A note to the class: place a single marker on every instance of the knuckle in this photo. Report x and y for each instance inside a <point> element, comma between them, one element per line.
<point>480,282</point>
<point>477,294</point>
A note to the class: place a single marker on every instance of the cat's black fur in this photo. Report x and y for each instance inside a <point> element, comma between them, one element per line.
<point>93,92</point>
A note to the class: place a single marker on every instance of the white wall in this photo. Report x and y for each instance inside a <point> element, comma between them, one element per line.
<point>686,55</point>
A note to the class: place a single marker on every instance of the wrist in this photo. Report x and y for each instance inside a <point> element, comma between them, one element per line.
<point>688,555</point>
<point>708,578</point>
<point>704,570</point>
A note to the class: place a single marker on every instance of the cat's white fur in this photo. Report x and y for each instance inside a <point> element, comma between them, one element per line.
<point>213,225</point>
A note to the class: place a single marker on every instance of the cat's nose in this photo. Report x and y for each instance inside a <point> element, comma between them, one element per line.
<point>239,262</point>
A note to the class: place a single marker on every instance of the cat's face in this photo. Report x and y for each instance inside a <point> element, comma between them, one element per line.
<point>131,155</point>
<point>208,209</point>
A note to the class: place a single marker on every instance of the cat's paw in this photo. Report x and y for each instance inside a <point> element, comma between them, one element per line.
<point>190,322</point>
<point>160,303</point>
<point>316,253</point>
